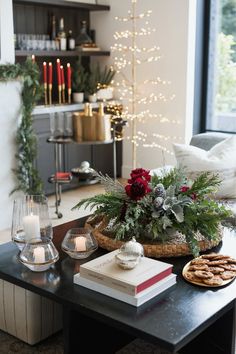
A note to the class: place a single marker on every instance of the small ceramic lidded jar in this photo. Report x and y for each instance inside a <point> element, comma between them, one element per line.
<point>129,254</point>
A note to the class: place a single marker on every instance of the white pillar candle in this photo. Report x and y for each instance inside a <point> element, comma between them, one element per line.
<point>31,226</point>
<point>80,243</point>
<point>39,255</point>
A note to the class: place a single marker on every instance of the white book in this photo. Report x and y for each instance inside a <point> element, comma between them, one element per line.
<point>135,300</point>
<point>105,271</point>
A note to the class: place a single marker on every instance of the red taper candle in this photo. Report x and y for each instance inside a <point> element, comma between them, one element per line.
<point>58,72</point>
<point>68,76</point>
<point>45,73</point>
<point>50,73</point>
<point>62,75</point>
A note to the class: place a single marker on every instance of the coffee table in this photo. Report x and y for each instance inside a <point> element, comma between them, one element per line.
<point>187,318</point>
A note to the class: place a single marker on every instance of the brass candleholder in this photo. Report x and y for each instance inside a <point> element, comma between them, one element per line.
<point>69,95</point>
<point>50,93</point>
<point>45,94</point>
<point>59,93</point>
<point>63,93</point>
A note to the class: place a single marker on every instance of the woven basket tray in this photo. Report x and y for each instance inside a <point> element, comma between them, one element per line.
<point>177,246</point>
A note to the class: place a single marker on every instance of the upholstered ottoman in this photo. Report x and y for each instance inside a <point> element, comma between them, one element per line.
<point>27,316</point>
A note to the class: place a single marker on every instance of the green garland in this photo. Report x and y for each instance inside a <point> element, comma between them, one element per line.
<point>28,179</point>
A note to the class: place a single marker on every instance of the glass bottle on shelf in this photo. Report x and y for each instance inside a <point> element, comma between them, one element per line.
<point>62,34</point>
<point>70,41</point>
<point>53,28</point>
<point>89,123</point>
<point>83,38</point>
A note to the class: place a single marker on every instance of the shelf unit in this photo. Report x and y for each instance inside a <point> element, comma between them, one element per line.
<point>58,53</point>
<point>61,3</point>
<point>33,17</point>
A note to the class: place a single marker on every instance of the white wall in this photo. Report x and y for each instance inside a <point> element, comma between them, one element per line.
<point>175,34</point>
<point>9,113</point>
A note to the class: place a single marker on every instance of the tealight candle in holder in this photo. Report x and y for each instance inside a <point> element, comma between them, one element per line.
<point>79,243</point>
<point>38,255</point>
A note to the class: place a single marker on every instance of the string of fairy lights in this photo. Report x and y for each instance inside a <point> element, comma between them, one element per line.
<point>129,56</point>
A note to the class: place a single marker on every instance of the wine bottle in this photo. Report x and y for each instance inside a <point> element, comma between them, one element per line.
<point>70,41</point>
<point>62,34</point>
<point>89,123</point>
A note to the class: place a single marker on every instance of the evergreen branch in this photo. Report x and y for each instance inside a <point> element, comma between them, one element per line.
<point>28,179</point>
<point>110,185</point>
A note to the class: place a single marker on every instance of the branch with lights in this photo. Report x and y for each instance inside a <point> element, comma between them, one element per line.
<point>130,57</point>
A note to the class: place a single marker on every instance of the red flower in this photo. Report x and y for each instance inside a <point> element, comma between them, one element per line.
<point>139,173</point>
<point>184,189</point>
<point>138,189</point>
<point>193,196</point>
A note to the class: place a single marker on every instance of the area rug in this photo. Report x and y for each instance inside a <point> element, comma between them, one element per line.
<point>54,345</point>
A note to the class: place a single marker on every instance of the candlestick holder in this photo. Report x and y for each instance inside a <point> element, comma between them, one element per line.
<point>69,95</point>
<point>63,93</point>
<point>59,94</point>
<point>39,255</point>
<point>79,243</point>
<point>50,93</point>
<point>30,220</point>
<point>45,94</point>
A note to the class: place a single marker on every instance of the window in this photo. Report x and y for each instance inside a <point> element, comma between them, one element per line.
<point>221,69</point>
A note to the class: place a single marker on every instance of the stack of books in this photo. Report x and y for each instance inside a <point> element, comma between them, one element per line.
<point>136,286</point>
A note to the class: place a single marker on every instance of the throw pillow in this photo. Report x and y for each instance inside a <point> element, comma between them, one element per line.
<point>220,159</point>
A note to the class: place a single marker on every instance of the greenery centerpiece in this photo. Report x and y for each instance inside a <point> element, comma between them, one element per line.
<point>155,209</point>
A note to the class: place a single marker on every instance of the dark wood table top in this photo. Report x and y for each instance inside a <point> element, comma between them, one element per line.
<point>172,319</point>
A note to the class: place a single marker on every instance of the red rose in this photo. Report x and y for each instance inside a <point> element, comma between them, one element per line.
<point>138,189</point>
<point>139,173</point>
<point>193,196</point>
<point>184,189</point>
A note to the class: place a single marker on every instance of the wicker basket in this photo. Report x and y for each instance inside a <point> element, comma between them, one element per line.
<point>176,246</point>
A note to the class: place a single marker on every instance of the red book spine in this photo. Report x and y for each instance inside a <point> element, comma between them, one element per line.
<point>146,284</point>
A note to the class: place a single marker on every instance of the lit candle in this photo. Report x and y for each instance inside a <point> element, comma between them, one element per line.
<point>80,243</point>
<point>33,58</point>
<point>62,75</point>
<point>45,73</point>
<point>58,72</point>
<point>39,255</point>
<point>50,73</point>
<point>31,226</point>
<point>68,76</point>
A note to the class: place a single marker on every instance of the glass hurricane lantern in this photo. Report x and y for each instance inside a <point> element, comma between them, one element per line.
<point>30,220</point>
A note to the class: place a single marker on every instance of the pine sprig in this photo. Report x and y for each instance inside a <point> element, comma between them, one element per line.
<point>108,204</point>
<point>205,183</point>
<point>110,185</point>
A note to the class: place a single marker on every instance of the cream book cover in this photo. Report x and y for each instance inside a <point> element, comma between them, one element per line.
<point>136,300</point>
<point>104,270</point>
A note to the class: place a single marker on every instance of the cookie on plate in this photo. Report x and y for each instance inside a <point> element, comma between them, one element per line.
<point>216,280</point>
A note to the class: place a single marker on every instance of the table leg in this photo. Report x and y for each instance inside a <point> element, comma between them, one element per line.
<point>78,327</point>
<point>219,338</point>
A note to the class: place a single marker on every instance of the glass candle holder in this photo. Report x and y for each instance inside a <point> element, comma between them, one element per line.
<point>30,220</point>
<point>79,243</point>
<point>38,255</point>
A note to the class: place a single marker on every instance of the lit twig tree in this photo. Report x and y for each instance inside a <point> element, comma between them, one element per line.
<point>130,54</point>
